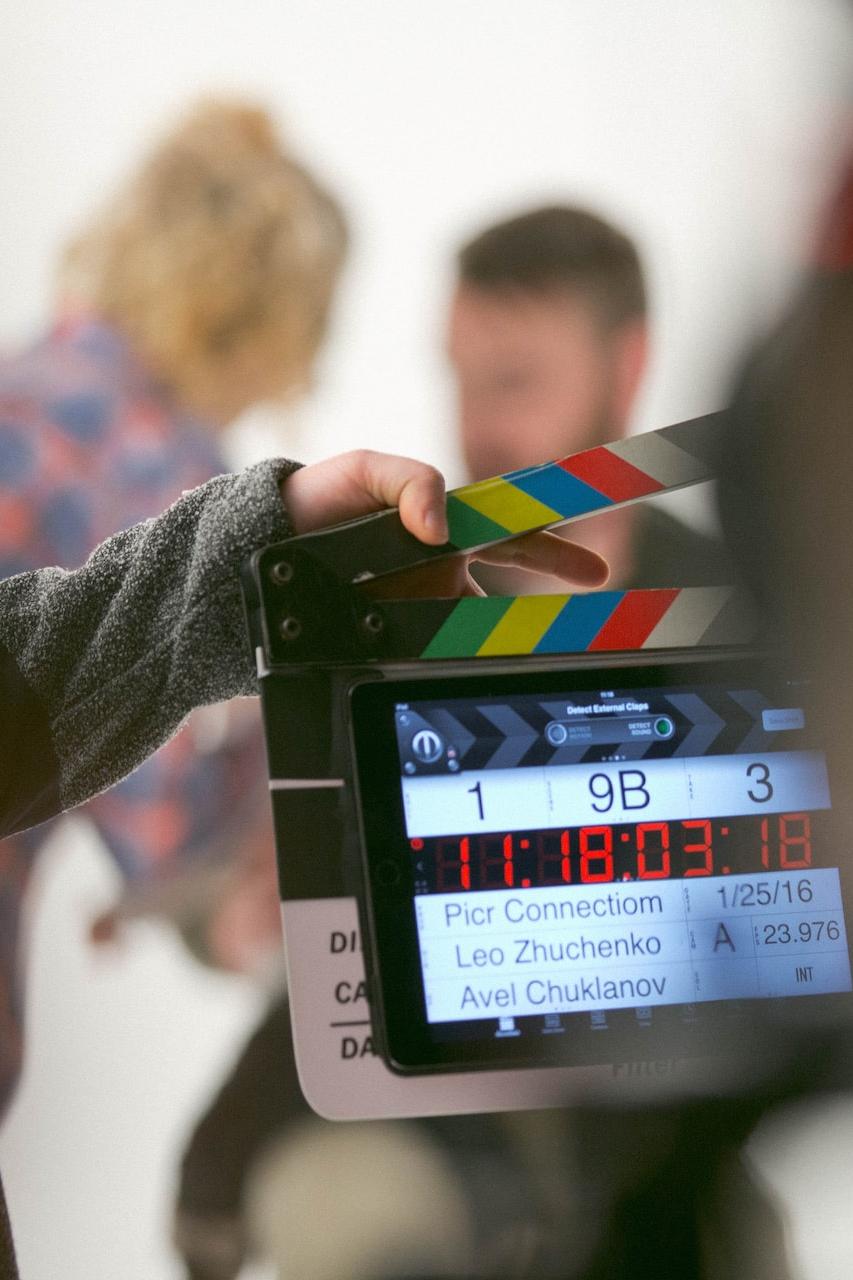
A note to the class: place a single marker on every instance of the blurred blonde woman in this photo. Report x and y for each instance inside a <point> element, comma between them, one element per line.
<point>203,285</point>
<point>217,262</point>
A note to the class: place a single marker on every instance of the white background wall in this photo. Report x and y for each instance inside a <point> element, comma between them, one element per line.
<point>709,127</point>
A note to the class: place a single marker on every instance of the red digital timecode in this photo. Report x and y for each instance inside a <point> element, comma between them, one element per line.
<point>586,855</point>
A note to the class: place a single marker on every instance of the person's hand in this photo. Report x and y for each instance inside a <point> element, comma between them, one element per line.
<point>358,483</point>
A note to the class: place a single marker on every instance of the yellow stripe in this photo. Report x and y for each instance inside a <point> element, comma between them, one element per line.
<point>507,505</point>
<point>523,625</point>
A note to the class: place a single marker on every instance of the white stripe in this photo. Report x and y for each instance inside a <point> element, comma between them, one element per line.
<point>688,617</point>
<point>664,461</point>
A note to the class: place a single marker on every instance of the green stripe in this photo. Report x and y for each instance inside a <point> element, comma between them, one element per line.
<point>468,528</point>
<point>468,626</point>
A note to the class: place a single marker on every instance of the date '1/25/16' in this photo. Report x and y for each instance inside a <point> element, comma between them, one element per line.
<point>604,854</point>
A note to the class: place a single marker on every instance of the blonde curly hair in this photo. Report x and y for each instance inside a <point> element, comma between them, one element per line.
<point>220,246</point>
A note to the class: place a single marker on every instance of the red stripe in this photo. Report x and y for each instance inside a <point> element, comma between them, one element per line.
<point>633,620</point>
<point>611,475</point>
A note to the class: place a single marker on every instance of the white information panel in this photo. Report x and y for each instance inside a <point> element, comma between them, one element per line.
<point>646,790</point>
<point>505,954</point>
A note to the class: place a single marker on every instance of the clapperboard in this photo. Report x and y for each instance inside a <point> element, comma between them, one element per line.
<point>314,630</point>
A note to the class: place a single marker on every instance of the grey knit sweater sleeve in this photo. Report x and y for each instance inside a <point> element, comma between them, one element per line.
<point>119,651</point>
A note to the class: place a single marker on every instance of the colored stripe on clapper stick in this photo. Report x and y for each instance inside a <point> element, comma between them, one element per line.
<point>633,620</point>
<point>469,625</point>
<point>582,483</point>
<point>495,626</point>
<point>534,498</point>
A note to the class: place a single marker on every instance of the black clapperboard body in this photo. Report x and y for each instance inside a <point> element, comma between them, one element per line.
<point>315,633</point>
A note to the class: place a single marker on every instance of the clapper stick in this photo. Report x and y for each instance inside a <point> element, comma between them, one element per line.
<point>299,627</point>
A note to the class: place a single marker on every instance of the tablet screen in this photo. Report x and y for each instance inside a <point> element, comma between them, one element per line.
<point>597,856</point>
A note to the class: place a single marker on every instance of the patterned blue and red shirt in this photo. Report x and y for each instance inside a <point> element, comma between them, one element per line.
<point>90,444</point>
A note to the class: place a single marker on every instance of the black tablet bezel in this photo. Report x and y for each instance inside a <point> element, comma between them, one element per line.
<point>405,1036</point>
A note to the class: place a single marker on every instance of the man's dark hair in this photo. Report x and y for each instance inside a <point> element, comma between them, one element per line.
<point>559,248</point>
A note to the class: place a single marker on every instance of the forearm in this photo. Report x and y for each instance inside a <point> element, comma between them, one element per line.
<point>119,651</point>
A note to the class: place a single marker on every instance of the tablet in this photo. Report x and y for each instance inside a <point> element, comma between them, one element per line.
<point>595,864</point>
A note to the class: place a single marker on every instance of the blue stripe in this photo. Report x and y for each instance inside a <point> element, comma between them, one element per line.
<point>557,489</point>
<point>579,622</point>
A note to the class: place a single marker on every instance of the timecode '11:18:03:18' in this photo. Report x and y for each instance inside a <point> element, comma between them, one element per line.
<point>604,854</point>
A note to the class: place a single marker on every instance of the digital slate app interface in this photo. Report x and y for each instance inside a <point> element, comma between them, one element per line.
<point>616,850</point>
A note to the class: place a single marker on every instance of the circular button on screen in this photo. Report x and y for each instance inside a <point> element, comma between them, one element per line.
<point>427,746</point>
